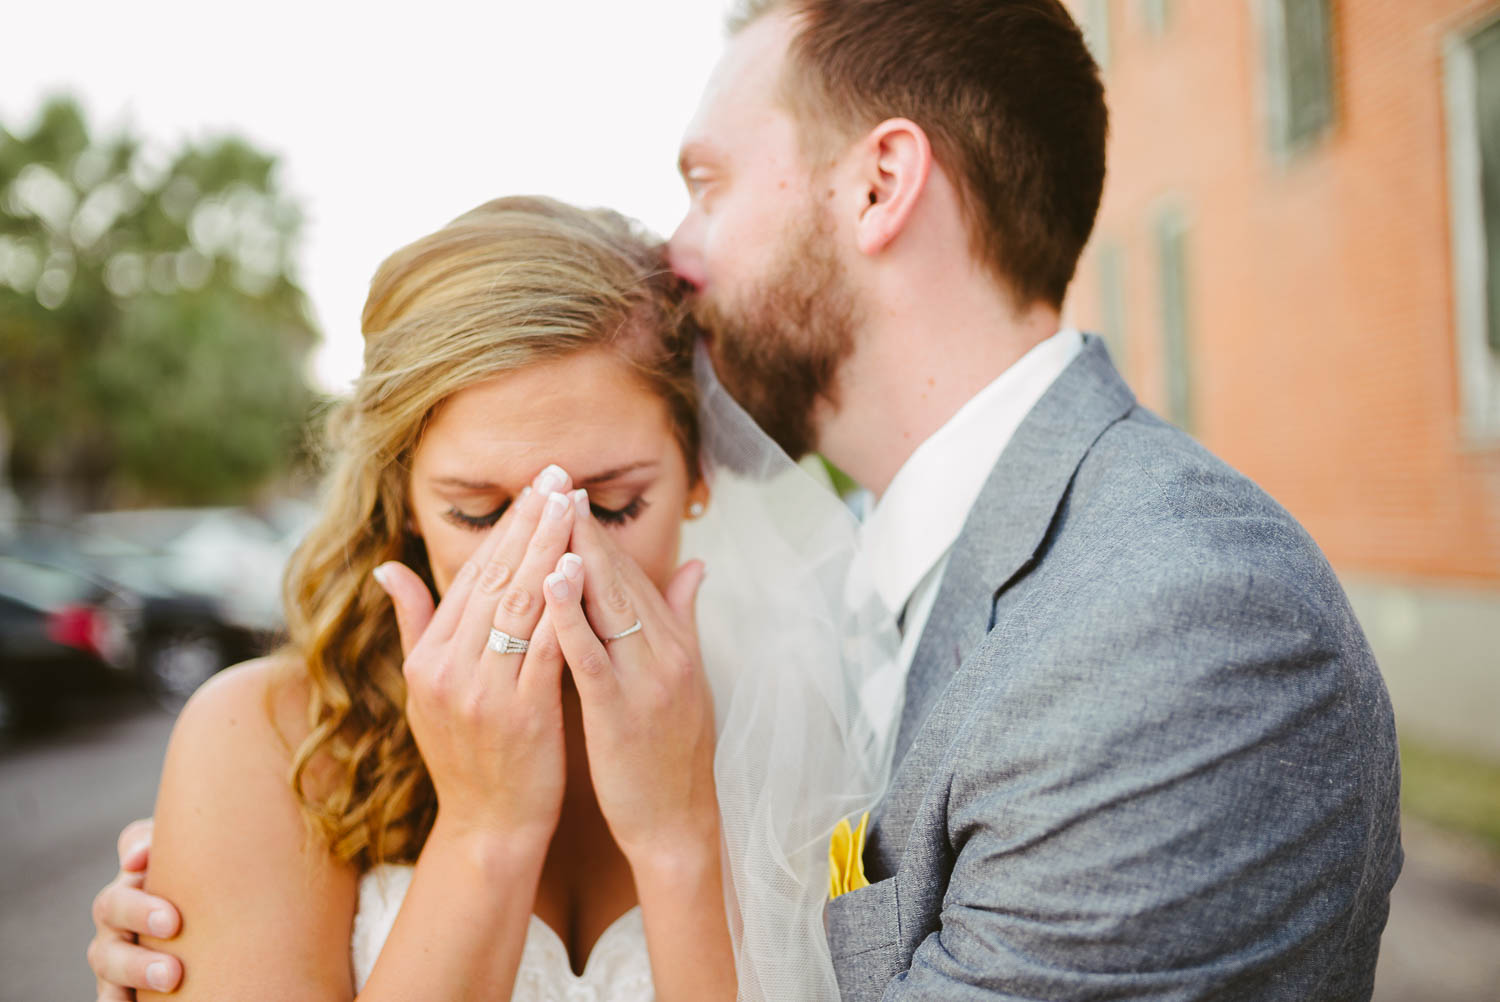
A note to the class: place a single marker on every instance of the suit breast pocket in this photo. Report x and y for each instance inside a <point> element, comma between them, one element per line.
<point>864,939</point>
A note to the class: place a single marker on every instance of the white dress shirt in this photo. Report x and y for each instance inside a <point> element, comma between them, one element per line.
<point>908,536</point>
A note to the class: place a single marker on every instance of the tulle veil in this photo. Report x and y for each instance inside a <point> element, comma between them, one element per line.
<point>794,637</point>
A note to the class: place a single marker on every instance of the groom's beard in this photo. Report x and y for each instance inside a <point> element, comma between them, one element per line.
<point>779,348</point>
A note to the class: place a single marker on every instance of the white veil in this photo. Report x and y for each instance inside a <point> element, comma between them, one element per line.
<point>792,633</point>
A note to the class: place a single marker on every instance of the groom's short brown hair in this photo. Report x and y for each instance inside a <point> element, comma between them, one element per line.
<point>1007,92</point>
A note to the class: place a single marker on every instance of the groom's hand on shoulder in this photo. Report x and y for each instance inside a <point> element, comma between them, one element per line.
<point>122,912</point>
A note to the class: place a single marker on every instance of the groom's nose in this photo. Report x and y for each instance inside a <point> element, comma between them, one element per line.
<point>683,253</point>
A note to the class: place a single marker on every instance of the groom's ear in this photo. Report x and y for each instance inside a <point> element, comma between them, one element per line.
<point>896,159</point>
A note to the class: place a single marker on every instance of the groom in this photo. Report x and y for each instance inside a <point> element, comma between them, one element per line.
<point>1145,752</point>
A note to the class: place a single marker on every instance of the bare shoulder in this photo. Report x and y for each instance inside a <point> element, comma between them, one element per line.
<point>246,702</point>
<point>231,848</point>
<point>257,709</point>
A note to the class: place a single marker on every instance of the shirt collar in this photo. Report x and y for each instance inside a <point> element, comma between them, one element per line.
<point>923,510</point>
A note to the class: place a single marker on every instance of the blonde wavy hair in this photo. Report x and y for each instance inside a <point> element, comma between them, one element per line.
<point>516,282</point>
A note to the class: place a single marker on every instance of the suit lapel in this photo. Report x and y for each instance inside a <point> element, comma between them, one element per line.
<point>1009,522</point>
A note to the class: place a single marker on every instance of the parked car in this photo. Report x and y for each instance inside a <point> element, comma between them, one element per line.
<point>211,578</point>
<point>205,583</point>
<point>62,632</point>
<point>184,640</point>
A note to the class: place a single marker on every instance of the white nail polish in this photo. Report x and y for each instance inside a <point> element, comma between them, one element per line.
<point>556,505</point>
<point>557,585</point>
<point>580,501</point>
<point>551,479</point>
<point>572,563</point>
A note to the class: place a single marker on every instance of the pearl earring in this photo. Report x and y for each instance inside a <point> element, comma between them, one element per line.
<point>695,510</point>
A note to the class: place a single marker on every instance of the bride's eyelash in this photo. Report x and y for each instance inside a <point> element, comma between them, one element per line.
<point>606,516</point>
<point>475,522</point>
<point>619,516</point>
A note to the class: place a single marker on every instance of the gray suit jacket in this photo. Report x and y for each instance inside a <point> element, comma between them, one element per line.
<point>1146,752</point>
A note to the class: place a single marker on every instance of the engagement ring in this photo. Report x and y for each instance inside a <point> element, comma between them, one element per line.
<point>504,643</point>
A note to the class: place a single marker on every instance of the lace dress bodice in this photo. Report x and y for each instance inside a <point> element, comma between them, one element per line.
<point>618,968</point>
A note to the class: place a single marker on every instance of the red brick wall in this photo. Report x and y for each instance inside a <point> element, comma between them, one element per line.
<point>1321,293</point>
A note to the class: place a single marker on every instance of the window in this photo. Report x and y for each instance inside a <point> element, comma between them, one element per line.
<point>1472,78</point>
<point>1298,38</point>
<point>1096,31</point>
<point>1158,16</point>
<point>1111,264</point>
<point>1171,262</point>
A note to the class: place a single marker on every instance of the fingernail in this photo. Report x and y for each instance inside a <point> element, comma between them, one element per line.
<point>158,976</point>
<point>525,491</point>
<point>571,564</point>
<point>580,501</point>
<point>556,505</point>
<point>160,923</point>
<point>380,575</point>
<point>140,847</point>
<point>550,479</point>
<point>557,584</point>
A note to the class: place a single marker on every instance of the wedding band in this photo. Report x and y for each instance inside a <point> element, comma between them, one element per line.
<point>504,643</point>
<point>632,628</point>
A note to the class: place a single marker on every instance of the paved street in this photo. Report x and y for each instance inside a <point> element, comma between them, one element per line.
<point>64,797</point>
<point>1442,943</point>
<point>63,800</point>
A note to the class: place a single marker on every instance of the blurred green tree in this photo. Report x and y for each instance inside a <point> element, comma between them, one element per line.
<point>153,338</point>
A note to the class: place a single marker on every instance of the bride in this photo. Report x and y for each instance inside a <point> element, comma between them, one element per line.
<point>543,787</point>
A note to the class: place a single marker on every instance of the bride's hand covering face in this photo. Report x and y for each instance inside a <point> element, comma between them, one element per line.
<point>490,726</point>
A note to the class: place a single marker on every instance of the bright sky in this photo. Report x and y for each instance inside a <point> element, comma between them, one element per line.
<point>390,119</point>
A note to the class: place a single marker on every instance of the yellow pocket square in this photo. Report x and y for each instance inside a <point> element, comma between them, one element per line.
<point>846,857</point>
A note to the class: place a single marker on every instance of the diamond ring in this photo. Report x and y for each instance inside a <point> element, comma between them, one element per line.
<point>503,643</point>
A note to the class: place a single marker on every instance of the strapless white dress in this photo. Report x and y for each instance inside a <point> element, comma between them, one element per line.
<point>618,968</point>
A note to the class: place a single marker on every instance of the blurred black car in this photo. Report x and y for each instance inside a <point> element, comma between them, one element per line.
<point>167,638</point>
<point>183,640</point>
<point>63,633</point>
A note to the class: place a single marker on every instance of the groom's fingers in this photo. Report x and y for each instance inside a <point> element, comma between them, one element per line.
<point>119,965</point>
<point>112,993</point>
<point>124,908</point>
<point>134,845</point>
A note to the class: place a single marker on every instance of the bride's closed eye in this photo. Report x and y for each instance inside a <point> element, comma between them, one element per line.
<point>476,522</point>
<point>619,516</point>
<point>606,516</point>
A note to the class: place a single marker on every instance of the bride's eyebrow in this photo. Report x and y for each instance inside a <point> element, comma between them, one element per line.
<point>486,487</point>
<point>476,486</point>
<point>615,474</point>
